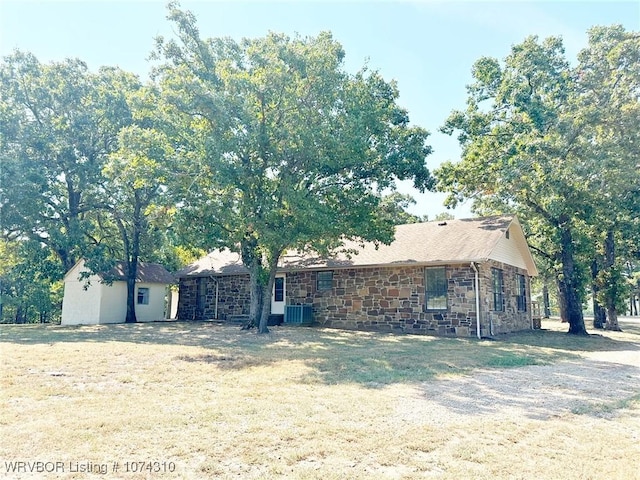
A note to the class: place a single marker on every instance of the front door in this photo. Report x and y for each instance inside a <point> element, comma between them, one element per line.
<point>278,295</point>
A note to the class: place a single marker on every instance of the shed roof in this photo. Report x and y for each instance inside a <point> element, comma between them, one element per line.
<point>147,273</point>
<point>453,241</point>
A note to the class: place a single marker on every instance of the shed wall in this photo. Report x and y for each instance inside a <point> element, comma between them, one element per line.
<point>80,307</point>
<point>113,303</point>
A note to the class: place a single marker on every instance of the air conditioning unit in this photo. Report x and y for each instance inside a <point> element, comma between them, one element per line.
<point>298,314</point>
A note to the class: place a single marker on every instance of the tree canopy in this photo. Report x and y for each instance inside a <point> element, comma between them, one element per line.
<point>558,145</point>
<point>59,123</point>
<point>282,148</point>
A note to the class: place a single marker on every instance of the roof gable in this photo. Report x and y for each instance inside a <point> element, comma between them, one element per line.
<point>512,248</point>
<point>453,241</point>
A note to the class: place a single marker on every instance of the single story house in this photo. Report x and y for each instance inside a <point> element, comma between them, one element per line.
<point>455,278</point>
<point>97,302</point>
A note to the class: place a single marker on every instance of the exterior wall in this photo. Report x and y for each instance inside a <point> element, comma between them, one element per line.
<point>102,303</point>
<point>80,307</point>
<point>155,310</point>
<point>386,299</point>
<point>233,298</point>
<point>376,298</point>
<point>113,302</point>
<point>510,319</point>
<point>510,250</point>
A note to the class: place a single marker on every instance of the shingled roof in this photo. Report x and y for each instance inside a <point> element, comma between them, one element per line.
<point>147,273</point>
<point>435,243</point>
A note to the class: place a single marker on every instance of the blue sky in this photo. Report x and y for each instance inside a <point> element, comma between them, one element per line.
<point>427,47</point>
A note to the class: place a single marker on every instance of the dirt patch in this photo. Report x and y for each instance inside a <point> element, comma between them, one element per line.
<point>595,383</point>
<point>536,392</point>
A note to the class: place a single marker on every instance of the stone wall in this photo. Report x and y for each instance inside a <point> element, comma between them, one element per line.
<point>233,298</point>
<point>377,298</point>
<point>386,299</point>
<point>510,319</point>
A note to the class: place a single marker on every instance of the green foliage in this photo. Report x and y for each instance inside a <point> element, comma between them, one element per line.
<point>394,207</point>
<point>557,145</point>
<point>613,288</point>
<point>29,291</point>
<point>443,216</point>
<point>280,147</point>
<point>82,171</point>
<point>59,122</point>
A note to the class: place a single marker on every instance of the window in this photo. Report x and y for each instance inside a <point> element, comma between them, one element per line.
<point>324,281</point>
<point>521,292</point>
<point>143,296</point>
<point>435,280</point>
<point>278,289</point>
<point>201,298</point>
<point>498,297</point>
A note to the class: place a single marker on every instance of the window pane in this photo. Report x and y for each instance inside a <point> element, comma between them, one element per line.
<point>279,289</point>
<point>436,288</point>
<point>143,296</point>
<point>521,293</point>
<point>437,302</point>
<point>324,281</point>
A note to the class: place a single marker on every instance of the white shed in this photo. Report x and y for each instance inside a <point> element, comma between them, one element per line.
<point>102,303</point>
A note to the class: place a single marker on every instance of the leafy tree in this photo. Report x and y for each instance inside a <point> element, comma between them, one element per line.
<point>58,124</point>
<point>29,287</point>
<point>76,175</point>
<point>539,139</point>
<point>395,205</point>
<point>281,147</point>
<point>136,178</point>
<point>633,282</point>
<point>608,75</point>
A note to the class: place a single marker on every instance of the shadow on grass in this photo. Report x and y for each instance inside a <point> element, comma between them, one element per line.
<point>595,342</point>
<point>334,356</point>
<point>224,362</point>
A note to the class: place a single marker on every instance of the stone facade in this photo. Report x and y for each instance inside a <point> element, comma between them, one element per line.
<point>510,319</point>
<point>197,298</point>
<point>385,298</point>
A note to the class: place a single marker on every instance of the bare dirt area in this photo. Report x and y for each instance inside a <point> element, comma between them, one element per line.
<point>200,400</point>
<point>594,382</point>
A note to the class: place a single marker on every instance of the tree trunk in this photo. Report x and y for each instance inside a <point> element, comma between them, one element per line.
<point>599,313</point>
<point>252,259</point>
<point>612,320</point>
<point>131,304</point>
<point>610,258</point>
<point>545,301</point>
<point>266,307</point>
<point>266,296</point>
<point>569,285</point>
<point>132,260</point>
<point>19,317</point>
<point>257,297</point>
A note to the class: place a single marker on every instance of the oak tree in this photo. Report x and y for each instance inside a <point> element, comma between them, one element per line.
<point>555,144</point>
<point>281,147</point>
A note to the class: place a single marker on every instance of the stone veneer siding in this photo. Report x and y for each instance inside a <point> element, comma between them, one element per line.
<point>233,298</point>
<point>510,319</point>
<point>377,298</point>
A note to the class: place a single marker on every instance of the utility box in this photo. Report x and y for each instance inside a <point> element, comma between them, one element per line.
<point>298,315</point>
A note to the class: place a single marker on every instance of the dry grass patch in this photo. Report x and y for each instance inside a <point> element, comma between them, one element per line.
<point>320,403</point>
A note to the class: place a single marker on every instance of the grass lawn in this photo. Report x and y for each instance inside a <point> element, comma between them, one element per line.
<point>210,401</point>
